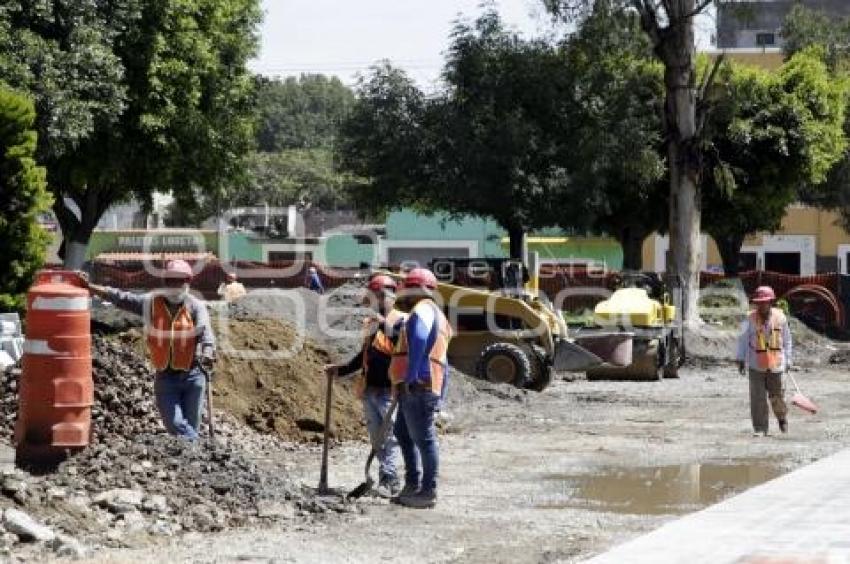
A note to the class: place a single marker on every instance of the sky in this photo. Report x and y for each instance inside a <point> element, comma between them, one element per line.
<point>346,37</point>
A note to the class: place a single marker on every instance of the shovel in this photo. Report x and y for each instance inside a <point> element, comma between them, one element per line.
<point>800,400</point>
<point>383,433</point>
<point>208,377</point>
<point>323,473</point>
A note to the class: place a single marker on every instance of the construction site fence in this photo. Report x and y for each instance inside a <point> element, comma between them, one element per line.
<point>572,288</point>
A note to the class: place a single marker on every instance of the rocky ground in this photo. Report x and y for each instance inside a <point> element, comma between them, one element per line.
<point>554,477</point>
<point>526,477</point>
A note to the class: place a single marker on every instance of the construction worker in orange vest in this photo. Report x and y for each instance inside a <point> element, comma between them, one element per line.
<point>765,347</point>
<point>179,340</point>
<point>372,383</point>
<point>418,370</point>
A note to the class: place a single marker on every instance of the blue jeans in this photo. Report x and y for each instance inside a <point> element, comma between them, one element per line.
<point>376,403</point>
<point>417,437</point>
<point>180,400</point>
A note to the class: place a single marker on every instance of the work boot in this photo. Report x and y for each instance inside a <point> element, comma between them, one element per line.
<point>387,488</point>
<point>783,425</point>
<point>406,491</point>
<point>421,500</point>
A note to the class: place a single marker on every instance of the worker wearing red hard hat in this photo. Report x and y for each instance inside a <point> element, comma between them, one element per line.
<point>765,346</point>
<point>419,370</point>
<point>372,383</point>
<point>179,341</point>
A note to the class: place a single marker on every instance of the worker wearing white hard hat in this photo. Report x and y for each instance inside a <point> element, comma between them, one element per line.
<point>179,340</point>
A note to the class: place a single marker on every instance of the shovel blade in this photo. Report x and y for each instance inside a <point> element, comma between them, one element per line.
<point>804,403</point>
<point>361,490</point>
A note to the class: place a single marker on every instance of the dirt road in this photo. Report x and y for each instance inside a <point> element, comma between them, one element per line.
<point>556,477</point>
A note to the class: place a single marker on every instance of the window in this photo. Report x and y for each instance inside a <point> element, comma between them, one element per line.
<point>765,39</point>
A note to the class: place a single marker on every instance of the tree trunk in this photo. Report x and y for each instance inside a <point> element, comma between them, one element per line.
<point>77,228</point>
<point>518,248</point>
<point>730,253</point>
<point>631,240</point>
<point>677,53</point>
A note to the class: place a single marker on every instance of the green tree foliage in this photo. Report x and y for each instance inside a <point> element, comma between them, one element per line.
<point>292,161</point>
<point>619,161</point>
<point>301,113</point>
<point>767,134</point>
<point>669,28</point>
<point>132,96</point>
<point>808,29</point>
<point>492,145</point>
<point>23,196</point>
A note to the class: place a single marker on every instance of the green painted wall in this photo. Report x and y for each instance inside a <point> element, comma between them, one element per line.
<point>242,246</point>
<point>344,250</point>
<point>598,249</point>
<point>408,225</point>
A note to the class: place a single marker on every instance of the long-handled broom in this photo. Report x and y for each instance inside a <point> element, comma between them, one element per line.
<point>800,400</point>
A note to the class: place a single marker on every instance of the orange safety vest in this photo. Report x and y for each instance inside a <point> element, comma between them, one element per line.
<point>768,348</point>
<point>171,341</point>
<point>438,356</point>
<point>380,342</point>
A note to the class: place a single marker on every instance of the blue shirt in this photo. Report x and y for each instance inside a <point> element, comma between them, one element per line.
<point>316,283</point>
<point>422,329</point>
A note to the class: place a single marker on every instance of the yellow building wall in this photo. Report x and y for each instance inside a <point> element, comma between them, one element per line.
<point>798,220</point>
<point>770,60</point>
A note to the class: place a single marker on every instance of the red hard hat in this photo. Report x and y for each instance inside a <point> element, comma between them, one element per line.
<point>178,268</point>
<point>763,294</point>
<point>420,278</point>
<point>381,282</point>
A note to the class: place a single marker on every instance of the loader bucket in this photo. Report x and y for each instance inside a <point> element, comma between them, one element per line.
<point>570,357</point>
<point>614,348</point>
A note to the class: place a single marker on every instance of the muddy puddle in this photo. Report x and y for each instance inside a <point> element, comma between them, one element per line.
<point>655,490</point>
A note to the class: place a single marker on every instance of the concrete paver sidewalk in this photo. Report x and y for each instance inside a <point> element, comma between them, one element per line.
<point>802,517</point>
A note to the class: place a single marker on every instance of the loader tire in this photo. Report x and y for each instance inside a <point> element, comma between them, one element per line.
<point>505,363</point>
<point>542,372</point>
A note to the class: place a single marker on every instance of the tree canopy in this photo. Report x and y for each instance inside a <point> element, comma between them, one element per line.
<point>767,134</point>
<point>619,163</point>
<point>300,112</point>
<point>806,29</point>
<point>132,96</point>
<point>23,196</point>
<point>493,144</point>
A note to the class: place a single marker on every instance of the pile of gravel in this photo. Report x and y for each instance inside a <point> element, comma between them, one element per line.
<point>136,481</point>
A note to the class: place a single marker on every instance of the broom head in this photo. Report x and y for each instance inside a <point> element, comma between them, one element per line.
<point>804,403</point>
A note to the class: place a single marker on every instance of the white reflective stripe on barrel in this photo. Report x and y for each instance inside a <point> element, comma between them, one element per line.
<point>39,346</point>
<point>61,304</point>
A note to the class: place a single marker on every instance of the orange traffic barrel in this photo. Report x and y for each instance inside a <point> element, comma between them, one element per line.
<point>56,390</point>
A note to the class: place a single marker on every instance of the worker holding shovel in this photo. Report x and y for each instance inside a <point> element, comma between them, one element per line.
<point>372,383</point>
<point>180,342</point>
<point>765,347</point>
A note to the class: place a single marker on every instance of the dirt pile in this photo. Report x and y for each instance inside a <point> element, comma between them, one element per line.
<point>333,320</point>
<point>719,343</point>
<point>136,481</point>
<point>273,380</point>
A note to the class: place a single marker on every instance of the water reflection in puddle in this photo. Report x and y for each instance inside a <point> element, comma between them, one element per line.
<point>655,490</point>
